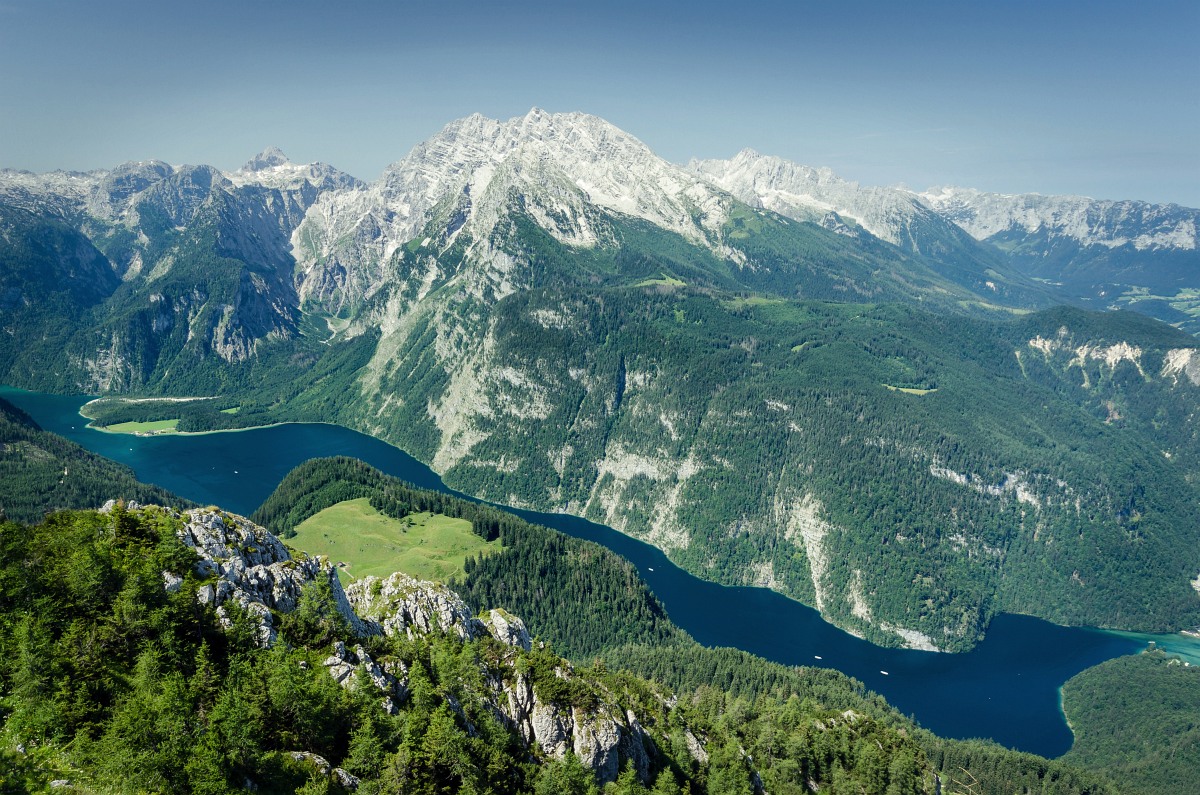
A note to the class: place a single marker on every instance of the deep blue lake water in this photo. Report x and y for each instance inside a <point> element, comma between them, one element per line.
<point>1007,689</point>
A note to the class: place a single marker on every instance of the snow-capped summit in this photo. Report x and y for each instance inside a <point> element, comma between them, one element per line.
<point>565,170</point>
<point>895,215</point>
<point>1088,222</point>
<point>809,194</point>
<point>271,168</point>
<point>580,180</point>
<point>270,157</point>
<point>608,166</point>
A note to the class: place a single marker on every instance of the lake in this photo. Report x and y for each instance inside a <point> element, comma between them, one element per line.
<point>1006,689</point>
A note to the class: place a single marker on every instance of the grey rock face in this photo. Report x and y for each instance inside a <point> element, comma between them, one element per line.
<point>633,746</point>
<point>400,604</point>
<point>603,738</point>
<point>517,707</point>
<point>390,678</point>
<point>254,569</point>
<point>268,158</point>
<point>507,628</point>
<point>695,747</point>
<point>347,780</point>
<point>551,728</point>
<point>596,740</point>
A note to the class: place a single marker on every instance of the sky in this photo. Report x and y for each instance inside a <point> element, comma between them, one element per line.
<point>1095,98</point>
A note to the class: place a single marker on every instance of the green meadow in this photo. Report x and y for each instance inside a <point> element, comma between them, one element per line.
<point>153,426</point>
<point>427,546</point>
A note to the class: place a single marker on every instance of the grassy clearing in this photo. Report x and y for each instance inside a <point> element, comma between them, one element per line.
<point>154,426</point>
<point>666,280</point>
<point>909,390</point>
<point>1186,300</point>
<point>427,546</point>
<point>754,300</point>
<point>1012,310</point>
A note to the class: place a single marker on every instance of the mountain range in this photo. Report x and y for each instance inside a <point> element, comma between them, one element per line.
<point>867,398</point>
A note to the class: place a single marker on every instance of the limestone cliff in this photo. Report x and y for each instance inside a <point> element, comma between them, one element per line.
<point>527,688</point>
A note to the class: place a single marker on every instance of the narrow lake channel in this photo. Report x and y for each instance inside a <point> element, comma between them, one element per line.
<point>1007,689</point>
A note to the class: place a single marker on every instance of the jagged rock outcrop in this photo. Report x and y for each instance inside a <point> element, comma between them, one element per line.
<point>403,605</point>
<point>603,737</point>
<point>390,678</point>
<point>507,628</point>
<point>254,569</point>
<point>248,565</point>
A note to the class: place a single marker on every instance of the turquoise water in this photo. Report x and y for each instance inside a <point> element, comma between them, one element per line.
<point>1006,689</point>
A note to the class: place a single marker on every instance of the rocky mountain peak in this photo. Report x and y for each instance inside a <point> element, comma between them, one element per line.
<point>1089,222</point>
<point>808,194</point>
<point>271,157</point>
<point>569,172</point>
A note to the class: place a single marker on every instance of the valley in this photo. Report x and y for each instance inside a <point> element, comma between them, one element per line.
<point>945,442</point>
<point>752,365</point>
<point>1006,688</point>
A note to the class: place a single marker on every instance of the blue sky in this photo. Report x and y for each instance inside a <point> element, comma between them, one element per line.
<point>1098,98</point>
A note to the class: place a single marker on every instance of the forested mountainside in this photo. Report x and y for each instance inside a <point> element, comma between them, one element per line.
<point>871,420</point>
<point>191,652</point>
<point>1134,719</point>
<point>42,472</point>
<point>906,473</point>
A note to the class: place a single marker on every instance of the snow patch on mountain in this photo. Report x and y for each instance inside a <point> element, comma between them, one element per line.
<point>810,194</point>
<point>796,191</point>
<point>271,168</point>
<point>564,170</point>
<point>1090,222</point>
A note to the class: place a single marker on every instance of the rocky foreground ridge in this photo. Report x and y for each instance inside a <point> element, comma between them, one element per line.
<point>247,566</point>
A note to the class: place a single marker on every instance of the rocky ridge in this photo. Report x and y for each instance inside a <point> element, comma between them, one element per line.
<point>246,565</point>
<point>569,171</point>
<point>1090,222</point>
<point>811,194</point>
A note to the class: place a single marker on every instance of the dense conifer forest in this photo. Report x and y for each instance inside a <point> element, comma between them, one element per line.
<point>1137,719</point>
<point>113,683</point>
<point>42,472</point>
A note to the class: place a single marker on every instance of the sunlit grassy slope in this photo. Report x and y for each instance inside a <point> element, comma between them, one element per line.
<point>427,546</point>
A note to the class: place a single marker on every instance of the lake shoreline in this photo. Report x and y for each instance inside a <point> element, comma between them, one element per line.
<point>1005,689</point>
<point>91,421</point>
<point>1182,635</point>
<point>155,434</point>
